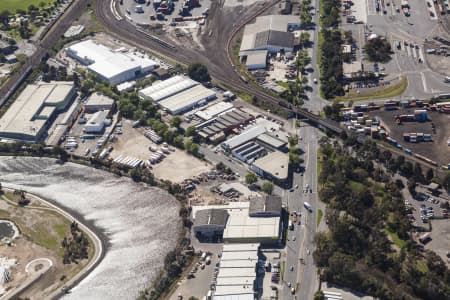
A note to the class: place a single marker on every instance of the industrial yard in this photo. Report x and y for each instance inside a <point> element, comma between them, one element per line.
<point>437,149</point>
<point>174,165</point>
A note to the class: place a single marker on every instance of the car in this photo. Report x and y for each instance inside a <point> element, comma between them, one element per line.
<point>291,268</point>
<point>294,238</point>
<point>315,80</point>
<point>296,186</point>
<point>289,284</point>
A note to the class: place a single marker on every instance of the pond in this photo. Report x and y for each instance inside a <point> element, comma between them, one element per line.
<point>8,230</point>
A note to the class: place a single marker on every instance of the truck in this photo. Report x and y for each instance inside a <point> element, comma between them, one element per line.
<point>307,206</point>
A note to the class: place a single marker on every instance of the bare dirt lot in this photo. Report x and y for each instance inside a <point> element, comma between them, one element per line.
<point>42,231</point>
<point>176,166</point>
<point>436,150</point>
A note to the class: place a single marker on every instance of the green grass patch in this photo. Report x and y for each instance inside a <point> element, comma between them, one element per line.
<point>283,84</point>
<point>319,216</point>
<point>395,239</point>
<point>389,92</point>
<point>13,5</point>
<point>422,266</point>
<point>356,186</point>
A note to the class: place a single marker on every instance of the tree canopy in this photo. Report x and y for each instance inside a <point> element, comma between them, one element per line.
<point>199,72</point>
<point>378,49</point>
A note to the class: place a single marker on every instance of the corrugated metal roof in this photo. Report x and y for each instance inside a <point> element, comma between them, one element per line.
<point>244,137</point>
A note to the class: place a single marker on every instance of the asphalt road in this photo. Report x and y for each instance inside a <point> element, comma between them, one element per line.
<point>304,276</point>
<point>47,42</point>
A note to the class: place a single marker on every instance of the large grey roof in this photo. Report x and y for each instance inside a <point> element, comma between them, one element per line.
<point>274,38</point>
<point>211,217</point>
<point>267,203</point>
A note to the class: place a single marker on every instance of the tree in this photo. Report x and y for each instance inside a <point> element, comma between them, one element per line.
<point>319,295</point>
<point>175,122</point>
<point>305,18</point>
<point>190,131</point>
<point>199,72</point>
<point>251,178</point>
<point>267,187</point>
<point>304,39</point>
<point>446,182</point>
<point>430,175</point>
<point>4,18</point>
<point>378,49</point>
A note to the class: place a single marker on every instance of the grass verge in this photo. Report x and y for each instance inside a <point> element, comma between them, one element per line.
<point>13,5</point>
<point>319,216</point>
<point>389,92</point>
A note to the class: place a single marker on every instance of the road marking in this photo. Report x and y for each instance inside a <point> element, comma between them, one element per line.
<point>424,82</point>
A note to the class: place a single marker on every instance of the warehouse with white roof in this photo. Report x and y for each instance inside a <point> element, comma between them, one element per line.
<point>35,109</point>
<point>236,278</point>
<point>112,66</point>
<point>188,99</point>
<point>166,88</point>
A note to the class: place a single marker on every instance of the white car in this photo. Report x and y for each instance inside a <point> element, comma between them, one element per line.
<point>291,268</point>
<point>289,284</point>
<point>315,80</point>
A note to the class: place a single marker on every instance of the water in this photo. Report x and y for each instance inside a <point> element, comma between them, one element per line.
<point>6,230</point>
<point>141,223</point>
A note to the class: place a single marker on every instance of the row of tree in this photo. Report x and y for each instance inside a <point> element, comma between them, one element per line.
<point>331,72</point>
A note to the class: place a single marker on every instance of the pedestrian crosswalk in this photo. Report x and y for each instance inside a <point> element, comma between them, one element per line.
<point>409,49</point>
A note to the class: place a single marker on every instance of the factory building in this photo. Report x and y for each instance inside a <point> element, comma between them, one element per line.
<point>188,99</point>
<point>166,88</point>
<point>271,33</point>
<point>215,129</point>
<point>274,166</point>
<point>97,122</point>
<point>243,138</point>
<point>237,272</point>
<point>111,66</point>
<point>240,226</point>
<point>255,59</point>
<point>35,109</point>
<point>265,206</point>
<point>214,110</point>
<point>97,102</point>
<point>210,223</point>
<point>177,94</point>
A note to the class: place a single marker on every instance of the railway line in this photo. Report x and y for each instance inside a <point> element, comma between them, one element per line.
<point>220,70</point>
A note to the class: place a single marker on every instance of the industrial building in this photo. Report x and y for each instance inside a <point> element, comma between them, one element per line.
<point>97,102</point>
<point>210,223</point>
<point>97,122</point>
<point>240,227</point>
<point>188,99</point>
<point>35,109</point>
<point>265,206</point>
<point>236,278</point>
<point>166,88</point>
<point>271,33</point>
<point>274,166</point>
<point>255,59</point>
<point>177,94</point>
<point>214,110</point>
<point>244,137</point>
<point>111,66</point>
<point>216,128</point>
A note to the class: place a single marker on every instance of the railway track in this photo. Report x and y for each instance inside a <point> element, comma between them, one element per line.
<point>138,37</point>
